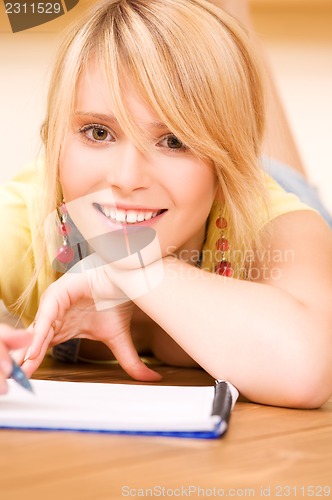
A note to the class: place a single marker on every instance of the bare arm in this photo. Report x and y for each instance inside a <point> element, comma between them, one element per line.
<point>271,338</point>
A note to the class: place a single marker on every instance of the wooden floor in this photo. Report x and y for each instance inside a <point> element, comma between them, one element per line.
<point>267,451</point>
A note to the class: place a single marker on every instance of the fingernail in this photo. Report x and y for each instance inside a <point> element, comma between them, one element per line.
<point>27,354</point>
<point>6,367</point>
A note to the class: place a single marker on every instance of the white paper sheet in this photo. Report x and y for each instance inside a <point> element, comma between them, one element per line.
<point>108,407</point>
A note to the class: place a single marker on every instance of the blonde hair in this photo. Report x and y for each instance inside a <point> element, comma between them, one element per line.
<point>195,67</point>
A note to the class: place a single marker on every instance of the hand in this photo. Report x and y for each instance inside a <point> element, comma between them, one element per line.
<point>10,339</point>
<point>66,311</point>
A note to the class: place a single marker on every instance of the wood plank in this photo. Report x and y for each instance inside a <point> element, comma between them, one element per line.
<point>265,447</point>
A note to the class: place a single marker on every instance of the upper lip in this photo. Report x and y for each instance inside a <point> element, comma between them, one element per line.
<point>136,208</point>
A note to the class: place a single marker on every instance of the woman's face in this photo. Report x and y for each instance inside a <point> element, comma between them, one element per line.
<point>113,185</point>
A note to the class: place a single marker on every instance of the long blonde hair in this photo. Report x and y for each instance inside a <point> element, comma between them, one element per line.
<point>195,67</point>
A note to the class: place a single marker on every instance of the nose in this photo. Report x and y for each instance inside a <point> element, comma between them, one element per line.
<point>129,169</point>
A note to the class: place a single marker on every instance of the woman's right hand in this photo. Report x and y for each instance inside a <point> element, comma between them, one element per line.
<point>10,339</point>
<point>65,298</point>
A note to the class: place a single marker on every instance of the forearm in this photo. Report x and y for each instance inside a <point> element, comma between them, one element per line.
<point>256,336</point>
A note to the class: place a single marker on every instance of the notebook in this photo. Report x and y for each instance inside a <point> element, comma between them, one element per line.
<point>181,411</point>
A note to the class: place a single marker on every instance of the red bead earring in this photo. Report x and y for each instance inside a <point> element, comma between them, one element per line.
<point>65,254</point>
<point>224,267</point>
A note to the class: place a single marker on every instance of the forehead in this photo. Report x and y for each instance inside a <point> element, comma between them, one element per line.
<point>93,97</point>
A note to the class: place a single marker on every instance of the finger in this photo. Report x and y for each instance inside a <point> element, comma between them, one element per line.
<point>17,341</point>
<point>44,325</point>
<point>10,339</point>
<point>5,367</point>
<point>20,355</point>
<point>53,306</point>
<point>6,330</point>
<point>128,358</point>
<point>30,364</point>
<point>55,302</point>
<point>14,339</point>
<point>41,345</point>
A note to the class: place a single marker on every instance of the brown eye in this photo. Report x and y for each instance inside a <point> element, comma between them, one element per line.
<point>173,142</point>
<point>96,133</point>
<point>99,134</point>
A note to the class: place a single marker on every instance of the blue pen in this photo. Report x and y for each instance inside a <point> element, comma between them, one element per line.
<point>18,375</point>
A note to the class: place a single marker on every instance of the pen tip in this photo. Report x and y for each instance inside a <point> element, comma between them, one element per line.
<point>19,376</point>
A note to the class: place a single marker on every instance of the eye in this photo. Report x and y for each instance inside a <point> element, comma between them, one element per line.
<point>172,142</point>
<point>96,133</point>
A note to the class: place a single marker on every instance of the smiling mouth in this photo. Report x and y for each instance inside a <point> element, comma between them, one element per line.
<point>118,215</point>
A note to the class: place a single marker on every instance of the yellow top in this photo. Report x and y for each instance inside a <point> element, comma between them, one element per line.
<point>18,227</point>
<point>280,203</point>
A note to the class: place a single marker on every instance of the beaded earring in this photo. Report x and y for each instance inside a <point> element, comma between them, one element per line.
<point>65,254</point>
<point>224,267</point>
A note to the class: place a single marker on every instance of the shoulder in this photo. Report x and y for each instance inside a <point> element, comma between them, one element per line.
<point>17,222</point>
<point>18,195</point>
<point>281,202</point>
<point>299,257</point>
<point>17,207</point>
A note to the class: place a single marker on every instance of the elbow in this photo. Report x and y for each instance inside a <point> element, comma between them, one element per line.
<point>310,394</point>
<point>305,381</point>
<point>311,385</point>
<point>297,392</point>
<point>311,380</point>
<point>306,391</point>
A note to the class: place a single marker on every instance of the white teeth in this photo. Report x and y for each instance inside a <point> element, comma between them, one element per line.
<point>120,215</point>
<point>129,216</point>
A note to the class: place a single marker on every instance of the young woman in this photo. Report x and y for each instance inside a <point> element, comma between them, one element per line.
<point>186,248</point>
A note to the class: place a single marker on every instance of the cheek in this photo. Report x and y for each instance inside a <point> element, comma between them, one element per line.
<point>195,186</point>
<point>198,197</point>
<point>76,174</point>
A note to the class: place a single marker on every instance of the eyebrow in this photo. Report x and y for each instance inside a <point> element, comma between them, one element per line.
<point>111,119</point>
